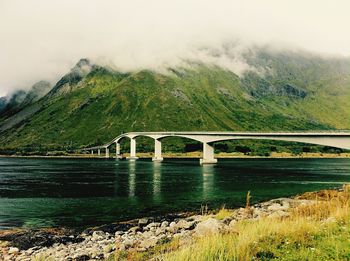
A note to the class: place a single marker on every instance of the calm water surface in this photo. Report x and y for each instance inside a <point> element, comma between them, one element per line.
<point>88,192</point>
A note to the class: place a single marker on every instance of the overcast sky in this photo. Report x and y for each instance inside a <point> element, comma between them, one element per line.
<point>42,39</point>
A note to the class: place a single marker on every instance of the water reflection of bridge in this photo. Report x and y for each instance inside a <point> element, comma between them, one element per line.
<point>145,180</point>
<point>332,139</point>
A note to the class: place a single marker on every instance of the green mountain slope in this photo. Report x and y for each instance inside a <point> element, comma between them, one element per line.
<point>21,99</point>
<point>91,104</point>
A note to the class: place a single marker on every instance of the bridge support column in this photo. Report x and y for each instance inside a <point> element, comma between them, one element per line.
<point>107,152</point>
<point>157,150</point>
<point>92,152</point>
<point>133,149</point>
<point>208,154</point>
<point>117,150</point>
<point>99,152</point>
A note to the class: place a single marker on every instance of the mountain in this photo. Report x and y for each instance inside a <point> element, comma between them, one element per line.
<point>20,99</point>
<point>92,104</point>
<point>3,102</point>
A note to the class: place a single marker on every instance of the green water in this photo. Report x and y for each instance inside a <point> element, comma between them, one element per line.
<point>88,192</point>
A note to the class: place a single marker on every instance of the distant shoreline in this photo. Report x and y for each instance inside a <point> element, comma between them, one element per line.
<point>194,155</point>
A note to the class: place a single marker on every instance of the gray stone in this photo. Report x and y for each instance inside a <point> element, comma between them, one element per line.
<point>133,230</point>
<point>274,207</point>
<point>159,231</point>
<point>13,250</point>
<point>278,214</point>
<point>147,234</point>
<point>232,223</point>
<point>164,224</point>
<point>119,233</point>
<point>207,227</point>
<point>128,243</point>
<point>153,224</point>
<point>97,235</point>
<point>183,224</point>
<point>150,242</point>
<point>108,249</point>
<point>81,257</point>
<point>143,221</point>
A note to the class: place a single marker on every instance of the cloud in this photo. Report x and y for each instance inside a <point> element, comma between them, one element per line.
<point>42,39</point>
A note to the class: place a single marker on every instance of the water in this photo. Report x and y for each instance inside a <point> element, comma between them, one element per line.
<point>88,192</point>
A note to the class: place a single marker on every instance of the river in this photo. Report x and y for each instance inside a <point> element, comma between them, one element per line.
<point>78,193</point>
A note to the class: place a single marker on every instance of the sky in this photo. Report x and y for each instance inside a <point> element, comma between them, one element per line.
<point>42,40</point>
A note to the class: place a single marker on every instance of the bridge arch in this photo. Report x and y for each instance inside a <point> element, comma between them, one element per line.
<point>332,139</point>
<point>307,140</point>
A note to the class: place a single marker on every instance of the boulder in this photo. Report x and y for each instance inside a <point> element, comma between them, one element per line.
<point>143,221</point>
<point>153,224</point>
<point>183,224</point>
<point>133,230</point>
<point>13,250</point>
<point>209,226</point>
<point>278,214</point>
<point>148,243</point>
<point>82,257</point>
<point>97,235</point>
<point>164,224</point>
<point>232,223</point>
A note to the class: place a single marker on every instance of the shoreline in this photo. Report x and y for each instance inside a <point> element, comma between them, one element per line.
<point>273,155</point>
<point>143,234</point>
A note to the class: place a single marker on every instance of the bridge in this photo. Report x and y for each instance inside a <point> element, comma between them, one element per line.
<point>332,139</point>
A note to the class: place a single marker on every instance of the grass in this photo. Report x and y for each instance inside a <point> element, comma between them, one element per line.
<point>319,231</point>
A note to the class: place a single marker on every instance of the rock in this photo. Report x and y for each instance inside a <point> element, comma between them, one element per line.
<point>147,234</point>
<point>227,220</point>
<point>164,224</point>
<point>118,233</point>
<point>160,231</point>
<point>133,230</point>
<point>177,235</point>
<point>274,207</point>
<point>207,227</point>
<point>98,233</point>
<point>108,249</point>
<point>153,224</point>
<point>150,242</point>
<point>232,223</point>
<point>278,214</point>
<point>183,224</point>
<point>143,221</point>
<point>128,243</point>
<point>153,229</point>
<point>83,257</point>
<point>196,218</point>
<point>13,250</point>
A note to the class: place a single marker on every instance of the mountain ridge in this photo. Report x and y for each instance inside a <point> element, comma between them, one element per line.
<point>91,104</point>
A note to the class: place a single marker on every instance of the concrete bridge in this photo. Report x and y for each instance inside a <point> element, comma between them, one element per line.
<point>332,139</point>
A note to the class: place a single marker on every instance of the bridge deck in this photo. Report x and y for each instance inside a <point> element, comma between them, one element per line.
<point>319,134</point>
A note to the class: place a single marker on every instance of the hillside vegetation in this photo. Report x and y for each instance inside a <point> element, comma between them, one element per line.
<point>93,104</point>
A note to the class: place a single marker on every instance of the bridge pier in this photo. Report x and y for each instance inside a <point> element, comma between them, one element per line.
<point>107,152</point>
<point>157,150</point>
<point>92,152</point>
<point>117,150</point>
<point>99,152</point>
<point>208,154</point>
<point>133,149</point>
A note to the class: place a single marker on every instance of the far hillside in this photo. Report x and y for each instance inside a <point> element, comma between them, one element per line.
<point>91,104</point>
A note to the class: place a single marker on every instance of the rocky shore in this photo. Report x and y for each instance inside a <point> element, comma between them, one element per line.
<point>138,235</point>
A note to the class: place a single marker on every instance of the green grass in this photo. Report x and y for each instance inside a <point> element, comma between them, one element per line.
<point>317,232</point>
